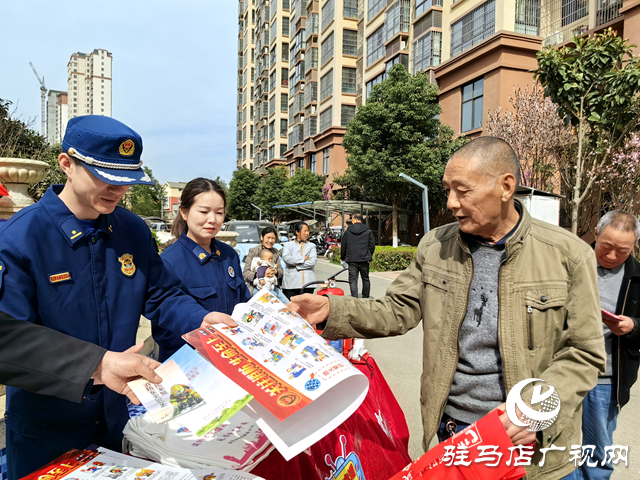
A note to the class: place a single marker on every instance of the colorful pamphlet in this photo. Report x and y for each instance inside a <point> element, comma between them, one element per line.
<point>302,387</point>
<point>192,391</point>
<point>106,464</point>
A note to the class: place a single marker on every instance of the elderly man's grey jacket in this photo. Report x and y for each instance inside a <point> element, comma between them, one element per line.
<point>559,339</point>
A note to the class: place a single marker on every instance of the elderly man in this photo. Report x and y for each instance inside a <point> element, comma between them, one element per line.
<point>619,284</point>
<point>502,298</point>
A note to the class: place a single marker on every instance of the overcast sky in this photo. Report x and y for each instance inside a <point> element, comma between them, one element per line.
<point>174,71</point>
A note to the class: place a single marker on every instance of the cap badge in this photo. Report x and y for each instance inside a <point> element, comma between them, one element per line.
<point>231,272</point>
<point>128,267</point>
<point>127,148</point>
<point>202,256</point>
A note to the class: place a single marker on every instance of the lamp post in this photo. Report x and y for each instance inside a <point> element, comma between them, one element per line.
<point>255,206</point>
<point>425,201</point>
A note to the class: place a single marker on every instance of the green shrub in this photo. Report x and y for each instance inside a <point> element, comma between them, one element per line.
<point>386,259</point>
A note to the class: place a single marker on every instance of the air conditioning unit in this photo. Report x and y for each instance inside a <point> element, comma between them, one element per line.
<point>403,45</point>
<point>302,56</point>
<point>313,109</point>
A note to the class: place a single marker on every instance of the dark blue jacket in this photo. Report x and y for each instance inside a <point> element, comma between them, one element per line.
<point>92,286</point>
<point>213,279</point>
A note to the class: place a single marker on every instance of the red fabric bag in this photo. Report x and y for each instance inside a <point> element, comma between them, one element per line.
<point>470,455</point>
<point>372,444</point>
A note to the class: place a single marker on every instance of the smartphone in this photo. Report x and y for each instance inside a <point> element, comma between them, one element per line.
<point>612,317</point>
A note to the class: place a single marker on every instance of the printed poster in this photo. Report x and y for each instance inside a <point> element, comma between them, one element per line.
<point>302,387</point>
<point>192,391</point>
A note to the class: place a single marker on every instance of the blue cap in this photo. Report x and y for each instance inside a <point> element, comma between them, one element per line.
<point>108,149</point>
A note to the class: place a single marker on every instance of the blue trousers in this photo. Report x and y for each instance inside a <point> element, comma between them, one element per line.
<point>599,420</point>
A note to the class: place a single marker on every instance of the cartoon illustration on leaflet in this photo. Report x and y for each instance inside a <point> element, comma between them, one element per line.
<point>291,339</point>
<point>252,343</point>
<point>274,356</point>
<point>252,317</point>
<point>271,328</point>
<point>267,298</point>
<point>288,312</point>
<point>95,466</point>
<point>295,370</point>
<point>346,466</point>
<point>232,330</point>
<point>313,352</point>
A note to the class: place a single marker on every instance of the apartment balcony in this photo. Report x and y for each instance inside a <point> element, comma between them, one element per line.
<point>241,9</point>
<point>608,11</point>
<point>240,45</point>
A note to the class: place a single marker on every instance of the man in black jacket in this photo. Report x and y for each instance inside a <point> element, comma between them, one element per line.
<point>357,250</point>
<point>45,361</point>
<point>619,285</point>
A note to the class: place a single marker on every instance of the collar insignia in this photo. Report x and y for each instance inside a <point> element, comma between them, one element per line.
<point>128,267</point>
<point>202,256</point>
<point>231,272</point>
<point>218,252</point>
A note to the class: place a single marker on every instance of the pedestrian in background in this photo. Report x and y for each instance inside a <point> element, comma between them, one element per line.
<point>619,285</point>
<point>268,238</point>
<point>300,258</point>
<point>357,250</point>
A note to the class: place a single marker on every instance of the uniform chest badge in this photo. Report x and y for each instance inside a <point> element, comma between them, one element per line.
<point>128,267</point>
<point>202,256</point>
<point>59,277</point>
<point>231,272</point>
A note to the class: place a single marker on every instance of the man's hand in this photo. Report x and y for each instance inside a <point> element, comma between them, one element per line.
<point>518,435</point>
<point>620,328</point>
<point>218,317</point>
<point>314,308</point>
<point>117,369</point>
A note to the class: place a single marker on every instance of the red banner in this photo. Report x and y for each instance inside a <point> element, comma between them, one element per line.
<point>276,395</point>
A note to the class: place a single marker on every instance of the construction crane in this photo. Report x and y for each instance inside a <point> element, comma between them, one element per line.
<point>43,95</point>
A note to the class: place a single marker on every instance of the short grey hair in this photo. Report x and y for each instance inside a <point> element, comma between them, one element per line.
<point>619,220</point>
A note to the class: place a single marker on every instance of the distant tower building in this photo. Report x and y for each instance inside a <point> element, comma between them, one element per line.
<point>57,116</point>
<point>89,80</point>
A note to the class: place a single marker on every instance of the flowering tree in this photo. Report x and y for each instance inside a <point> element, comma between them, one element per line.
<point>536,133</point>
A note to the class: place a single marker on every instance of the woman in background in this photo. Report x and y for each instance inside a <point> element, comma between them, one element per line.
<point>268,238</point>
<point>208,269</point>
<point>300,258</point>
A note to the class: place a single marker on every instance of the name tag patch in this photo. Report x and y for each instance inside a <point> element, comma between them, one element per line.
<point>59,277</point>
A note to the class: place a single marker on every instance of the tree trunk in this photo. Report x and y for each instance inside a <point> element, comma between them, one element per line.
<point>395,223</point>
<point>576,200</point>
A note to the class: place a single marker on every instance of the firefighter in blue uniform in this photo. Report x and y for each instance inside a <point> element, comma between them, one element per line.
<point>209,269</point>
<point>78,264</point>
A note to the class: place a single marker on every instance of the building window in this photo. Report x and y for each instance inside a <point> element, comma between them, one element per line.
<point>398,19</point>
<point>325,161</point>
<point>312,165</point>
<point>350,9</point>
<point>375,46</point>
<point>272,105</point>
<point>326,49</point>
<point>285,26</point>
<point>283,127</point>
<point>528,17</point>
<point>472,105</point>
<point>350,42</point>
<point>284,77</point>
<point>283,148</point>
<point>326,86</point>
<point>325,119</point>
<point>251,151</point>
<point>380,78</point>
<point>285,52</point>
<point>427,51</point>
<point>424,5</point>
<point>272,81</point>
<point>301,163</point>
<point>328,13</point>
<point>473,28</point>
<point>375,7</point>
<point>284,102</point>
<point>348,80</point>
<point>347,112</point>
<point>402,58</point>
<point>292,169</point>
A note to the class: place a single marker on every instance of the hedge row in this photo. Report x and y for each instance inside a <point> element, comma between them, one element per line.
<point>386,259</point>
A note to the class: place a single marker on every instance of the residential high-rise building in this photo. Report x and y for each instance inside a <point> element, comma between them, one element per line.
<point>89,83</point>
<point>476,51</point>
<point>57,116</point>
<point>246,76</point>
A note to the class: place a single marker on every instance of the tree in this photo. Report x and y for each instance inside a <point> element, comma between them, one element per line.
<point>536,133</point>
<point>146,200</point>
<point>17,138</point>
<point>223,184</point>
<point>397,131</point>
<point>270,192</point>
<point>595,85</point>
<point>242,189</point>
<point>304,186</point>
<point>54,174</point>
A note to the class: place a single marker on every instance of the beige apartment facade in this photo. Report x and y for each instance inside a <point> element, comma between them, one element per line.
<point>476,51</point>
<point>89,77</point>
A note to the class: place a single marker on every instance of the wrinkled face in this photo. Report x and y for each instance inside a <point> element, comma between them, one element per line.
<point>613,247</point>
<point>473,197</point>
<point>269,240</point>
<point>303,235</point>
<point>205,217</point>
<point>92,196</point>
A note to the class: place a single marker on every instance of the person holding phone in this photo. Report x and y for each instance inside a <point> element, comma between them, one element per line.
<point>617,234</point>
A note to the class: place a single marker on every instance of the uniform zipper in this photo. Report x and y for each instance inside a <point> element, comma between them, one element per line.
<point>530,325</point>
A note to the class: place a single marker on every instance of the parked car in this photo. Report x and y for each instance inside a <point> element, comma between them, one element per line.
<point>248,235</point>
